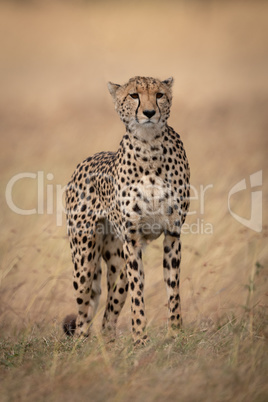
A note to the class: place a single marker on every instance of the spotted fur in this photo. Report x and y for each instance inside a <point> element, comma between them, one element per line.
<point>116,201</point>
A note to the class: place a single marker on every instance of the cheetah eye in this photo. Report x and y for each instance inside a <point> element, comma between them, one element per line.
<point>159,95</point>
<point>134,96</point>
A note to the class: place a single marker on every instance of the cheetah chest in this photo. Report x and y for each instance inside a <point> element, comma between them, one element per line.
<point>147,206</point>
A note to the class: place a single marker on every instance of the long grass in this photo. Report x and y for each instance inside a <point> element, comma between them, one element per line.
<point>226,362</point>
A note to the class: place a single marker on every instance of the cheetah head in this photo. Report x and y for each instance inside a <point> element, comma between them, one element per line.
<point>143,102</point>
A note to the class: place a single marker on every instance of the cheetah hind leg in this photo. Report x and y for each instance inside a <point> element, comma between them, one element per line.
<point>117,283</point>
<point>70,321</point>
<point>88,295</point>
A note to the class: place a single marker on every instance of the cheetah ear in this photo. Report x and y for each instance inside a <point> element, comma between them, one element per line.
<point>113,89</point>
<point>168,82</point>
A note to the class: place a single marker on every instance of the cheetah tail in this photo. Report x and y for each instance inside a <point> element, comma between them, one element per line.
<point>69,324</point>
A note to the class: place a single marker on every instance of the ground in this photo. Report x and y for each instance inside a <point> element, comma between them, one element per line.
<point>55,110</point>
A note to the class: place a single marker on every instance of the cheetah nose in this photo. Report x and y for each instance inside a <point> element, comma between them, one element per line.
<point>149,113</point>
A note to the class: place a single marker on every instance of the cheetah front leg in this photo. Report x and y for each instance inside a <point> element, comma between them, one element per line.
<point>135,274</point>
<point>171,265</point>
<point>117,283</point>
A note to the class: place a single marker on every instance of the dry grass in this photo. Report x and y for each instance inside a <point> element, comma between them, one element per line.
<point>55,110</point>
<point>222,364</point>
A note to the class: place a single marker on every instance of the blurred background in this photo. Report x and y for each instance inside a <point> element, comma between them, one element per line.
<point>55,110</point>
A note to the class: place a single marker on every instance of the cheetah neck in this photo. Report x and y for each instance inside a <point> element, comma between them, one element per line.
<point>146,133</point>
<point>146,144</point>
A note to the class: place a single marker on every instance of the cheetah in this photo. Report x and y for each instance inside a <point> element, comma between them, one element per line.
<point>118,201</point>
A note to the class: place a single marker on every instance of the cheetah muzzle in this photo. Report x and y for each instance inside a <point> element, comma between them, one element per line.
<point>116,201</point>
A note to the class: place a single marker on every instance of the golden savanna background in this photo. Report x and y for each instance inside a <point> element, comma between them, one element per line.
<point>55,110</point>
